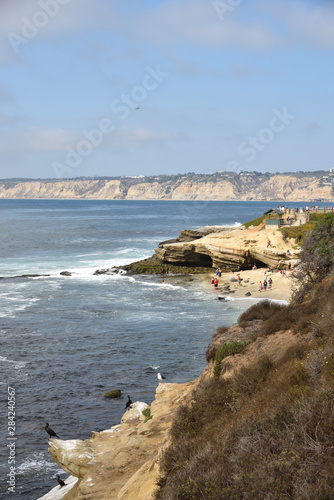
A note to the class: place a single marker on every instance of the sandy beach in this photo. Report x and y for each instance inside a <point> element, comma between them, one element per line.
<point>281,285</point>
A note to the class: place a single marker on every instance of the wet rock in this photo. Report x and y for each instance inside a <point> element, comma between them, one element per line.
<point>115,393</point>
<point>65,273</point>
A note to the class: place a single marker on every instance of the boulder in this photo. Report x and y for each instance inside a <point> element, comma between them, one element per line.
<point>73,456</point>
<point>115,393</point>
<point>135,412</point>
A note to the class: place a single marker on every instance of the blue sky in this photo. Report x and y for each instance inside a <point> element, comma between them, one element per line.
<point>143,87</point>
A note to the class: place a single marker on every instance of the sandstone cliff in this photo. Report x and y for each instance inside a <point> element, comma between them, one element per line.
<point>122,463</point>
<point>223,186</point>
<point>221,247</point>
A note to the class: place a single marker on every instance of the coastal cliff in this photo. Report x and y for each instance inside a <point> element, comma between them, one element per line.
<point>220,186</point>
<point>266,392</point>
<point>228,248</point>
<point>257,423</point>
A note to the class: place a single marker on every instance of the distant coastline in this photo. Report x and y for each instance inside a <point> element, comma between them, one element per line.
<point>221,186</point>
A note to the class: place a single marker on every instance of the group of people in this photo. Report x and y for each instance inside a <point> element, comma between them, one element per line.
<point>267,284</point>
<point>215,281</point>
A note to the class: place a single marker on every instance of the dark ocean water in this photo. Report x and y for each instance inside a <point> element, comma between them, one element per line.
<point>65,341</point>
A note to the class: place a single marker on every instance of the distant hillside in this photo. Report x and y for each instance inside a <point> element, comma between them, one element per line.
<point>219,186</point>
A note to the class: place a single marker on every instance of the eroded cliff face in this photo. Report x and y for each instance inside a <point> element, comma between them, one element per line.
<point>230,248</point>
<point>224,187</point>
<point>122,463</point>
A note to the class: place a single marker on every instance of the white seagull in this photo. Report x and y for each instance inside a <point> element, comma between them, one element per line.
<point>160,377</point>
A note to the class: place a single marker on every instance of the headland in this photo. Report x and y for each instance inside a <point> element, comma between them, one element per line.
<point>254,389</point>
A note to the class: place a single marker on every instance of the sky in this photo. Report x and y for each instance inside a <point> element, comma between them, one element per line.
<point>143,87</point>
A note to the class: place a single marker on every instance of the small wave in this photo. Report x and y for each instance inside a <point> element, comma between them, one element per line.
<point>152,368</point>
<point>162,285</point>
<point>10,312</point>
<point>17,364</point>
<point>36,463</point>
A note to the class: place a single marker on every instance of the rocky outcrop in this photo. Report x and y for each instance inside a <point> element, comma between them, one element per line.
<point>229,248</point>
<point>122,462</point>
<point>220,186</point>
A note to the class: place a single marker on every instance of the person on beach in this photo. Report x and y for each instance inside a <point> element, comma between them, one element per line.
<point>270,283</point>
<point>289,266</point>
<point>260,286</point>
<point>212,281</point>
<point>288,252</point>
<point>265,285</point>
<point>254,268</point>
<point>239,280</point>
<point>219,272</point>
<point>216,282</point>
<point>268,244</point>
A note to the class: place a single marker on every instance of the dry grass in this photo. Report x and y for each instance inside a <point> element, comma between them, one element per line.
<point>268,432</point>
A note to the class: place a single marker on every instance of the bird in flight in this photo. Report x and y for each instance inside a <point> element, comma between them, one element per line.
<point>161,377</point>
<point>50,431</point>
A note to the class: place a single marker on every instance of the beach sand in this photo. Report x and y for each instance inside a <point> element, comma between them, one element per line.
<point>282,286</point>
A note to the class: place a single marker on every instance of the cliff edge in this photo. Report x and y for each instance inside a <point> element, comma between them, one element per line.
<point>219,186</point>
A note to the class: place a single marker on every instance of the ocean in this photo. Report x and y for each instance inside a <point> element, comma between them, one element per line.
<point>66,340</point>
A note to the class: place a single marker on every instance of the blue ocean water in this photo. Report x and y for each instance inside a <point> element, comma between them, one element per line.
<point>65,341</point>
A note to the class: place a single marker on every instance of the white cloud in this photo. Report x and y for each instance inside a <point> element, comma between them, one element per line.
<point>251,26</point>
<point>37,139</point>
<point>255,26</point>
<point>33,21</point>
<point>48,139</point>
<point>305,23</point>
<point>196,22</point>
<point>125,137</point>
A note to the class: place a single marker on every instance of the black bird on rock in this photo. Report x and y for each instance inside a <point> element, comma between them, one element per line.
<point>50,431</point>
<point>60,481</point>
<point>128,403</point>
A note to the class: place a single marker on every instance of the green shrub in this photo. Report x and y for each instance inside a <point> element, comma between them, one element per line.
<point>261,310</point>
<point>147,414</point>
<point>225,350</point>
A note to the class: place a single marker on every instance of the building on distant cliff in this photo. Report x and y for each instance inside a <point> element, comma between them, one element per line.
<point>328,180</point>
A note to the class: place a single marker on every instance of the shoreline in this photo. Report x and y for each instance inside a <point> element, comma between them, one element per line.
<point>282,286</point>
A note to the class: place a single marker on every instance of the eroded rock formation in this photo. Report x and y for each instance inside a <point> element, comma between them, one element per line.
<point>220,186</point>
<point>122,463</point>
<point>229,248</point>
